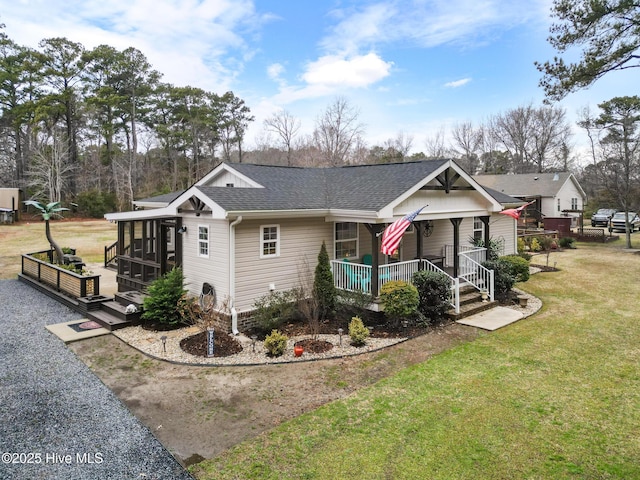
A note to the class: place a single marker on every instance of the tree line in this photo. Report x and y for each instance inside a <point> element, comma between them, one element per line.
<point>78,125</point>
<point>99,126</point>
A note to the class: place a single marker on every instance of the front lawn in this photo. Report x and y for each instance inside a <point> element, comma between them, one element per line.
<point>556,395</point>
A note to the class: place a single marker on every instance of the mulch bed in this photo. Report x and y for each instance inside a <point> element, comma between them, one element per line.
<point>314,346</point>
<point>223,345</point>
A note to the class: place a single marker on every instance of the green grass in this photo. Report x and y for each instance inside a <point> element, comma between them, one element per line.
<point>556,395</point>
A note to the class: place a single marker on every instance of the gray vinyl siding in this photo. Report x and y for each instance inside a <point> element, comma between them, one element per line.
<point>214,269</point>
<point>300,240</point>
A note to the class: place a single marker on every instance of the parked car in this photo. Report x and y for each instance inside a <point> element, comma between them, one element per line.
<point>618,222</point>
<point>602,217</point>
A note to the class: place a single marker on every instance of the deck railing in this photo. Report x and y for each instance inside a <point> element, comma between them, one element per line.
<point>61,280</point>
<point>357,277</point>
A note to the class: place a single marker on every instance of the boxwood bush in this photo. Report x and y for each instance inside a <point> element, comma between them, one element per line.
<point>519,267</point>
<point>275,343</point>
<point>358,332</point>
<point>433,291</point>
<point>400,300</point>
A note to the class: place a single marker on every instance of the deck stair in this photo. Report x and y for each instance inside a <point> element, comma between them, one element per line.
<point>470,304</point>
<point>113,313</point>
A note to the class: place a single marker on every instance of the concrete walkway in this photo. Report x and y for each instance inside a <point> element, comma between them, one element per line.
<point>57,419</point>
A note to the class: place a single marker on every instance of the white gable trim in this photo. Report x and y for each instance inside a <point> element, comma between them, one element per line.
<point>494,206</point>
<point>222,168</point>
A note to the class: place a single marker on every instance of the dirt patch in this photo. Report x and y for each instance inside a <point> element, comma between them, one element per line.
<point>198,412</point>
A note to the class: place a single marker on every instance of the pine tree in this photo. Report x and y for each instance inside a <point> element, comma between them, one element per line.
<point>324,290</point>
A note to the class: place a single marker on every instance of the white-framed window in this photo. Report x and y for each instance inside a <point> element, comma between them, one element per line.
<point>478,229</point>
<point>346,240</point>
<point>203,241</point>
<point>574,204</point>
<point>269,241</point>
<point>559,209</point>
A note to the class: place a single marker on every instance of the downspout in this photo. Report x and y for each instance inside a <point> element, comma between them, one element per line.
<point>232,273</point>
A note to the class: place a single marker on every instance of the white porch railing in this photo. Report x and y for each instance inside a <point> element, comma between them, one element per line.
<point>472,271</point>
<point>357,277</point>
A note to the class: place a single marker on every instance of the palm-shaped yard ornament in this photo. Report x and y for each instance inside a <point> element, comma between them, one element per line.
<point>48,211</point>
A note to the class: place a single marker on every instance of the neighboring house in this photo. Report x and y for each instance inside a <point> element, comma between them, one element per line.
<point>10,204</point>
<point>250,229</point>
<point>556,194</point>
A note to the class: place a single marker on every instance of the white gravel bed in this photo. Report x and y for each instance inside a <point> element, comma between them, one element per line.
<point>150,343</point>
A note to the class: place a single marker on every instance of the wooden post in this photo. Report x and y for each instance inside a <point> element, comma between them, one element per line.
<point>418,226</point>
<point>487,234</point>
<point>374,230</point>
<point>456,245</point>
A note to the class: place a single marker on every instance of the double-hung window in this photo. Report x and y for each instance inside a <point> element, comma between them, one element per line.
<point>346,240</point>
<point>269,241</point>
<point>478,229</point>
<point>203,241</point>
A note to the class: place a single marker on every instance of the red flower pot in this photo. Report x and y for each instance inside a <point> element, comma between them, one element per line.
<point>297,350</point>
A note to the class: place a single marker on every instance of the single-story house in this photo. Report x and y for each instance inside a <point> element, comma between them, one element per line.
<point>556,194</point>
<point>249,229</point>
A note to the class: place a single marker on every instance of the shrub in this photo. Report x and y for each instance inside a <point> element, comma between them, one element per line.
<point>273,309</point>
<point>567,242</point>
<point>163,297</point>
<point>519,267</point>
<point>358,332</point>
<point>522,246</point>
<point>535,246</point>
<point>275,343</point>
<point>526,256</point>
<point>503,279</point>
<point>433,293</point>
<point>324,290</point>
<point>351,303</point>
<point>400,299</point>
<point>94,203</point>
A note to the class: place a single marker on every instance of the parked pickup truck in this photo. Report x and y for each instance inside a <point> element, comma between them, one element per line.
<point>618,222</point>
<point>602,216</point>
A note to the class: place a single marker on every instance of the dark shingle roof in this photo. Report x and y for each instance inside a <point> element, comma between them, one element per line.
<point>361,187</point>
<point>164,198</point>
<point>525,184</point>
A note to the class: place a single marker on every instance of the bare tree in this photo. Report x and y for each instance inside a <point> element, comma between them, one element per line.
<point>512,129</point>
<point>286,127</point>
<point>467,141</point>
<point>337,132</point>
<point>435,146</point>
<point>50,167</point>
<point>550,134</point>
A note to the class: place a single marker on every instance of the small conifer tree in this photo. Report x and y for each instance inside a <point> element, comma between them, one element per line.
<point>324,291</point>
<point>164,295</point>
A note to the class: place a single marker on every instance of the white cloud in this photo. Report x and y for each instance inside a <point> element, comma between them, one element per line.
<point>183,39</point>
<point>355,71</point>
<point>457,83</point>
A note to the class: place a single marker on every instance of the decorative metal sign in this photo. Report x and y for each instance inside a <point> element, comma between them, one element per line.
<point>210,338</point>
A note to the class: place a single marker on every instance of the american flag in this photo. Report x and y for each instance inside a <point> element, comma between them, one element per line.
<point>515,212</point>
<point>393,233</point>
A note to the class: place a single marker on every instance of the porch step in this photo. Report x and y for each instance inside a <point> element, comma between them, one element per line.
<point>107,320</point>
<point>131,297</point>
<point>469,309</point>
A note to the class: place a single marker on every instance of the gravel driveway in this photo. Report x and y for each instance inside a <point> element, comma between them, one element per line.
<point>57,419</point>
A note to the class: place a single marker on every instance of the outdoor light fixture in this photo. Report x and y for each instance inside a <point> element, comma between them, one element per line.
<point>340,334</point>
<point>405,323</point>
<point>428,228</point>
<point>182,229</point>
<point>164,343</point>
<point>253,342</point>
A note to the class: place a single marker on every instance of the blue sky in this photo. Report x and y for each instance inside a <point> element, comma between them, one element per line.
<point>410,66</point>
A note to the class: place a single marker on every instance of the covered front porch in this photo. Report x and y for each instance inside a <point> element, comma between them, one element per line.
<point>364,277</point>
